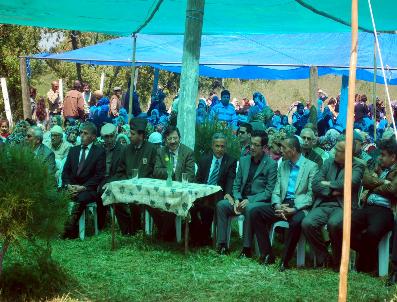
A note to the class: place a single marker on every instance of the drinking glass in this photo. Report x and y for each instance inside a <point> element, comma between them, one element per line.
<point>185,178</point>
<point>134,173</point>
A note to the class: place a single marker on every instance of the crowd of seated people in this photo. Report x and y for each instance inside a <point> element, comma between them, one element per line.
<point>283,172</point>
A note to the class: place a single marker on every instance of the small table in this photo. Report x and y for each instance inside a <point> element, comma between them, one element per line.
<point>177,199</point>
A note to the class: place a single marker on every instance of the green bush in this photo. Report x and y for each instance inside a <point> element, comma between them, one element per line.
<point>33,275</point>
<point>31,208</point>
<point>204,133</point>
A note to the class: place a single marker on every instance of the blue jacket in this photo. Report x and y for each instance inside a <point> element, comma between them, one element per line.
<point>224,114</point>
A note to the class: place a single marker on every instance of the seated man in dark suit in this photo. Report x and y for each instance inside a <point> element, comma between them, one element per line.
<point>371,222</point>
<point>217,168</point>
<point>182,158</point>
<point>140,155</point>
<point>83,171</point>
<point>113,151</point>
<point>292,196</point>
<point>328,206</point>
<point>253,186</point>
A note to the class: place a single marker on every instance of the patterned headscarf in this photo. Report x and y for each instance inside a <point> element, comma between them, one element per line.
<point>329,140</point>
<point>18,135</point>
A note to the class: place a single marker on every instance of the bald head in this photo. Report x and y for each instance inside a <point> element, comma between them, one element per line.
<point>54,85</point>
<point>77,85</point>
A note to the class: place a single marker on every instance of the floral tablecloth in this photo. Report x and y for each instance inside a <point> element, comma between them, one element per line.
<point>177,199</point>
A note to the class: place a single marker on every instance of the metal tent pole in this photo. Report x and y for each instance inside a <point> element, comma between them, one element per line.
<point>132,79</point>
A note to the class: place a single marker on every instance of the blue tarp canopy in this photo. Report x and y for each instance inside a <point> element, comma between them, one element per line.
<point>266,56</point>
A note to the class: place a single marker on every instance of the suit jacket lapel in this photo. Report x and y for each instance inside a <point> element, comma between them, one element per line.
<point>287,170</point>
<point>332,171</point>
<point>179,160</point>
<point>245,167</point>
<point>207,167</point>
<point>222,167</point>
<point>300,174</point>
<point>77,159</point>
<point>261,166</point>
<point>89,156</point>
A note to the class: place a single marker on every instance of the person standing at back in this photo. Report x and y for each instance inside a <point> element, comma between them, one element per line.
<point>54,102</point>
<point>73,104</point>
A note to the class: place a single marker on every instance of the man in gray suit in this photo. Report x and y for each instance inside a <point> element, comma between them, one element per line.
<point>291,198</point>
<point>328,206</point>
<point>34,137</point>
<point>253,186</point>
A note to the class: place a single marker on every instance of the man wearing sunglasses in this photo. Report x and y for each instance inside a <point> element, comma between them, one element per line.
<point>308,143</point>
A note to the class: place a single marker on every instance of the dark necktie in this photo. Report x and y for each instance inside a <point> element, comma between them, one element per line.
<point>82,160</point>
<point>172,157</point>
<point>213,179</point>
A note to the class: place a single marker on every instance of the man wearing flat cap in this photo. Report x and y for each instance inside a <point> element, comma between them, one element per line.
<point>113,155</point>
<point>141,155</point>
<point>59,146</point>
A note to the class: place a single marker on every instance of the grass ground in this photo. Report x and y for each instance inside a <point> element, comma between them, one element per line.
<point>141,269</point>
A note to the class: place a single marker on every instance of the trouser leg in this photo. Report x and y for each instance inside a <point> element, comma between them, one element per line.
<point>207,216</point>
<point>247,230</point>
<point>101,213</point>
<point>136,218</point>
<point>123,218</point>
<point>294,233</point>
<point>80,203</point>
<point>335,230</point>
<point>223,211</point>
<point>380,221</point>
<point>394,248</point>
<point>312,226</point>
<point>261,218</point>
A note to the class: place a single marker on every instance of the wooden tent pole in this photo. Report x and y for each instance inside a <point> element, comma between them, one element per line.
<point>132,79</point>
<point>374,91</point>
<point>313,86</point>
<point>190,71</point>
<point>156,73</point>
<point>27,110</point>
<point>344,267</point>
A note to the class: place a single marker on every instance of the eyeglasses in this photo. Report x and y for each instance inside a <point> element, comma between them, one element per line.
<point>306,138</point>
<point>172,139</point>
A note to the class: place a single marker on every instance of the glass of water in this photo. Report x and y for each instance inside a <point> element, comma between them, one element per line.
<point>134,173</point>
<point>185,178</point>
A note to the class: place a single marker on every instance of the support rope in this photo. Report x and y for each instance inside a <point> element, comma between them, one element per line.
<point>383,69</point>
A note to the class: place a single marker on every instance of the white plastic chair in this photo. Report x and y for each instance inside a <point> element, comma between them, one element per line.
<point>149,226</point>
<point>300,249</point>
<point>240,221</point>
<point>91,207</point>
<point>383,255</point>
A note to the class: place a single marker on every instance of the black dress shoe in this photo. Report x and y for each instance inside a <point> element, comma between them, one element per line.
<point>267,260</point>
<point>392,280</point>
<point>222,250</point>
<point>245,253</point>
<point>283,267</point>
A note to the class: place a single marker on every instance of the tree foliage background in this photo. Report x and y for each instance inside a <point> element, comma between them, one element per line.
<point>16,41</point>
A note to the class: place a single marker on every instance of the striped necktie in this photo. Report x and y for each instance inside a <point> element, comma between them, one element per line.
<point>213,179</point>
